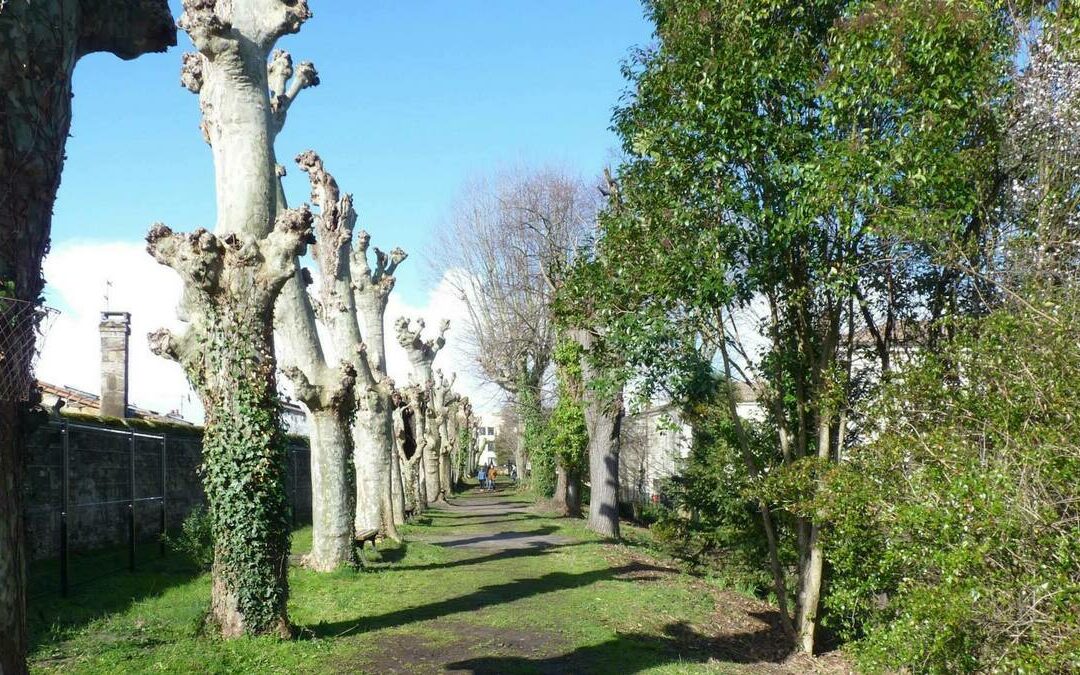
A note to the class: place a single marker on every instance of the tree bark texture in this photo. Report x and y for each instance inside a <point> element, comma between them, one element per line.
<point>373,434</point>
<point>421,355</point>
<point>603,421</point>
<point>41,41</point>
<point>331,503</point>
<point>232,279</point>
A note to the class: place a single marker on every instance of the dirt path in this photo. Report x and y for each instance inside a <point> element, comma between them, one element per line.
<point>546,601</point>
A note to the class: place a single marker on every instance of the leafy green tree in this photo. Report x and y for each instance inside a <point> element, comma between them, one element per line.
<point>566,438</point>
<point>794,170</point>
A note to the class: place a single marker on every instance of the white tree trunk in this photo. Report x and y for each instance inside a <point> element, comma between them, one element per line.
<point>231,281</point>
<point>374,429</point>
<point>331,508</point>
<point>373,439</point>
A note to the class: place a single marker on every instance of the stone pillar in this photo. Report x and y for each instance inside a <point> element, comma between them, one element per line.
<point>115,328</point>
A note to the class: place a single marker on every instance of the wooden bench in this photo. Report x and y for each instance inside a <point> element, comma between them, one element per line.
<point>362,538</point>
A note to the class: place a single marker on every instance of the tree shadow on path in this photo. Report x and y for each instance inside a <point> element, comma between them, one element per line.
<point>497,594</point>
<point>533,550</point>
<point>634,652</point>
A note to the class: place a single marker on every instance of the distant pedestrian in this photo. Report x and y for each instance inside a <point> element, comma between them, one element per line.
<point>482,476</point>
<point>492,472</point>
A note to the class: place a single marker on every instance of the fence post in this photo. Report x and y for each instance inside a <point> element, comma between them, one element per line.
<point>131,508</point>
<point>64,489</point>
<point>164,488</point>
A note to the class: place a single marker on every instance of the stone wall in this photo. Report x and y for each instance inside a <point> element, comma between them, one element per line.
<point>102,458</point>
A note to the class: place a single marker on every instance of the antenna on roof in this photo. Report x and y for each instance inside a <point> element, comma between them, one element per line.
<point>108,288</point>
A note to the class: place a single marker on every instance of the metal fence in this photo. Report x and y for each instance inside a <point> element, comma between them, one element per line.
<point>100,499</point>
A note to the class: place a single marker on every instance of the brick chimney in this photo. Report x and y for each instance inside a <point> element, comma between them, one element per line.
<point>115,328</point>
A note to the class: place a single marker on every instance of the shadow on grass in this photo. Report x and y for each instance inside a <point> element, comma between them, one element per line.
<point>395,553</point>
<point>635,652</point>
<point>484,538</point>
<point>535,549</point>
<point>100,586</point>
<point>476,523</point>
<point>496,594</point>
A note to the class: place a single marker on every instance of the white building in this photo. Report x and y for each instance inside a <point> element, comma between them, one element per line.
<point>488,431</point>
<point>656,443</point>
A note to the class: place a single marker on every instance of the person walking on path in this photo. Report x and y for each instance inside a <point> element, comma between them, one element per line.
<point>492,472</point>
<point>482,476</point>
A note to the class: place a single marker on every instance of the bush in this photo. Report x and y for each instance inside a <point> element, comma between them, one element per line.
<point>954,541</point>
<point>195,539</point>
<point>707,517</point>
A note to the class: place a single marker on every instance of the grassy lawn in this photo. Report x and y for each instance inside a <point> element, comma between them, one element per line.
<point>575,605</point>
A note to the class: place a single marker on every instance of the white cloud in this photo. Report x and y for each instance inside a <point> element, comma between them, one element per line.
<point>76,275</point>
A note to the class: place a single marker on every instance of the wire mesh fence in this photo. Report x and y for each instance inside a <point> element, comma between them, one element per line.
<point>21,323</point>
<point>99,499</point>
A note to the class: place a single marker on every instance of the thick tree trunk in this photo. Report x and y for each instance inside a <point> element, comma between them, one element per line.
<point>244,476</point>
<point>13,636</point>
<point>374,444</point>
<point>375,455</point>
<point>231,282</point>
<point>397,491</point>
<point>331,494</point>
<point>330,400</point>
<point>432,454</point>
<point>41,43</point>
<point>604,423</point>
<point>573,493</point>
<point>521,460</point>
<point>446,483</point>
<point>559,499</point>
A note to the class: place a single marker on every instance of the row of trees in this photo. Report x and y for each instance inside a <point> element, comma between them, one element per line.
<point>378,451</point>
<point>857,210</point>
<point>514,245</point>
<point>244,282</point>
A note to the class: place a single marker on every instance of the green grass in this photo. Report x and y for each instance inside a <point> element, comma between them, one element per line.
<point>417,607</point>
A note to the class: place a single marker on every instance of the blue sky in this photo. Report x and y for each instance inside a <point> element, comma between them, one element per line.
<point>416,97</point>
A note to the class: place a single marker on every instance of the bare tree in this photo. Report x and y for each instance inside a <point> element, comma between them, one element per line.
<point>510,239</point>
<point>232,279</point>
<point>326,390</point>
<point>373,433</point>
<point>421,355</point>
<point>42,41</point>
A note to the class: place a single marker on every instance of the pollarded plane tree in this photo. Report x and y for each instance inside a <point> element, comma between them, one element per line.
<point>421,355</point>
<point>231,280</point>
<point>374,456</point>
<point>364,425</point>
<point>444,403</point>
<point>328,391</point>
<point>409,439</point>
<point>460,427</point>
<point>42,42</point>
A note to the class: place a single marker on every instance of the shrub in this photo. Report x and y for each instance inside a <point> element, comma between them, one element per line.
<point>195,539</point>
<point>954,541</point>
